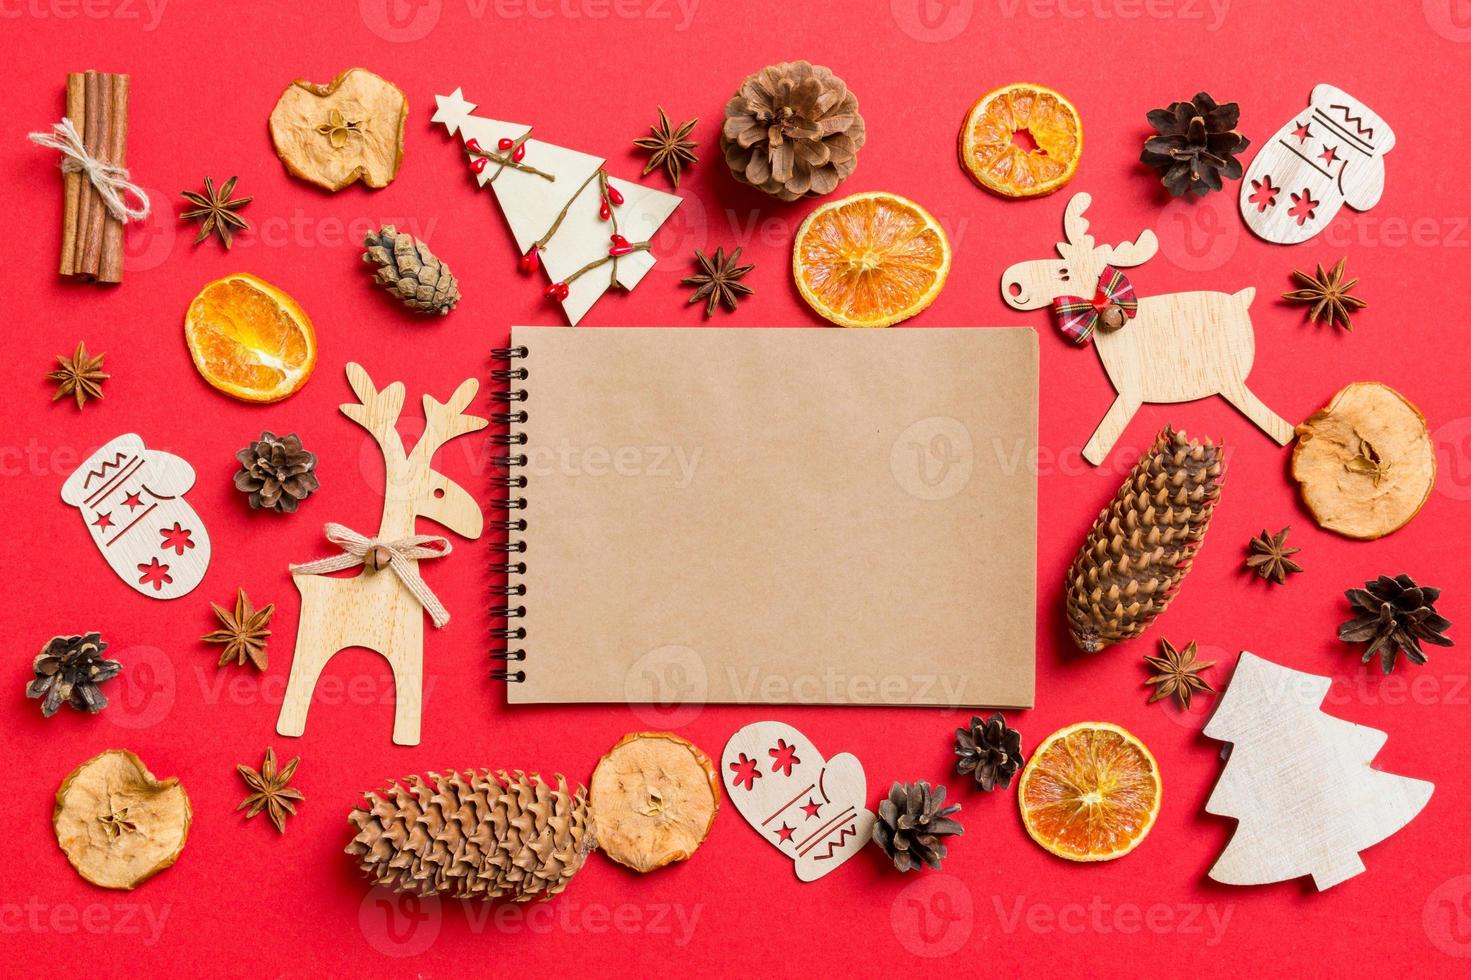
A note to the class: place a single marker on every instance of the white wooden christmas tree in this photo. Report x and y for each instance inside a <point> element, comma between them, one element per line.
<point>1299,781</point>
<point>588,230</point>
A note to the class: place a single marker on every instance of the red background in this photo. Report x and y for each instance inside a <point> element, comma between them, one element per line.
<point>241,899</point>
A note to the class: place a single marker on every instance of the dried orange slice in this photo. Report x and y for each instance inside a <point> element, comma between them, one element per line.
<point>1090,792</point>
<point>870,260</point>
<point>249,339</point>
<point>1021,141</point>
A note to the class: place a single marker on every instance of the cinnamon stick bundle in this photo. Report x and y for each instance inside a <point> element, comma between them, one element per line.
<point>91,237</point>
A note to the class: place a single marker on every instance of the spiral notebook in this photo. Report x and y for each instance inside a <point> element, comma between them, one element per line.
<point>770,516</point>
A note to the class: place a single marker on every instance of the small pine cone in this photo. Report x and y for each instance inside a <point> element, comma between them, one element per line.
<point>989,750</point>
<point>792,130</point>
<point>474,834</point>
<point>69,670</point>
<point>1393,616</point>
<point>912,824</point>
<point>411,272</point>
<point>277,474</point>
<point>1140,548</point>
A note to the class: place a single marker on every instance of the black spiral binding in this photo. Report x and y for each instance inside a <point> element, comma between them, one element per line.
<point>513,506</point>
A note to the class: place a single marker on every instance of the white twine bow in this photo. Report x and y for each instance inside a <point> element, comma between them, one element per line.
<point>398,555</point>
<point>110,180</point>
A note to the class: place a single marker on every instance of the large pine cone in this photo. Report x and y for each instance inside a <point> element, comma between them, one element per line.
<point>912,824</point>
<point>411,272</point>
<point>1140,548</point>
<point>276,474</point>
<point>474,835</point>
<point>792,130</point>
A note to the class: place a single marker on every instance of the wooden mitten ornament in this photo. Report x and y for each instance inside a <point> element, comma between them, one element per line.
<point>1328,155</point>
<point>383,606</point>
<point>1178,347</point>
<point>132,501</point>
<point>1299,781</point>
<point>810,808</point>
<point>589,230</point>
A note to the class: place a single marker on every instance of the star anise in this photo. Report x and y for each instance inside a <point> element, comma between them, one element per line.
<point>672,148</point>
<point>216,210</point>
<point>338,128</point>
<point>80,375</point>
<point>243,632</point>
<point>1179,673</point>
<point>1329,295</point>
<point>1271,558</point>
<point>269,790</point>
<point>719,280</point>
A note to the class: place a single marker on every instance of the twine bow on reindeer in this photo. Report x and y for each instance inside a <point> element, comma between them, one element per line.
<point>110,180</point>
<point>1112,304</point>
<point>398,555</point>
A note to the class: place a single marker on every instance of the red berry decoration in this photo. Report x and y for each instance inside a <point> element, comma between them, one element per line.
<point>614,196</point>
<point>557,291</point>
<point>620,246</point>
<point>604,211</point>
<point>473,146</point>
<point>531,261</point>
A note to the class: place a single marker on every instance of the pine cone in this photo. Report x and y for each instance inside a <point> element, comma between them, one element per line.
<point>70,668</point>
<point>411,272</point>
<point>1195,145</point>
<point>1395,614</point>
<point>792,130</point>
<point>1140,548</point>
<point>278,474</point>
<point>988,750</point>
<point>911,824</point>
<point>474,835</point>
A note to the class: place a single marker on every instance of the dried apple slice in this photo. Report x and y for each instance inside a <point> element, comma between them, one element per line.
<point>654,798</point>
<point>1365,463</point>
<point>117,823</point>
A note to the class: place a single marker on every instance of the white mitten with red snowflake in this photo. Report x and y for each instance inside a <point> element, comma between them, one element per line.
<point>132,501</point>
<point>1328,155</point>
<point>810,808</point>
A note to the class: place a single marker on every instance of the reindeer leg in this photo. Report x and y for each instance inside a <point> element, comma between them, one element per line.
<point>1112,426</point>
<point>1253,408</point>
<point>315,645</point>
<point>405,654</point>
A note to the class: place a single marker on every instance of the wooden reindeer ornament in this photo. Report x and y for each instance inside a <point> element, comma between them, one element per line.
<point>383,607</point>
<point>1160,349</point>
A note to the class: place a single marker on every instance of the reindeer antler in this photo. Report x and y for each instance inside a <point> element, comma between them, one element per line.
<point>377,411</point>
<point>444,421</point>
<point>1075,226</point>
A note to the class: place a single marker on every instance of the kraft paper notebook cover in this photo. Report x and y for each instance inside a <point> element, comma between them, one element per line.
<point>770,516</point>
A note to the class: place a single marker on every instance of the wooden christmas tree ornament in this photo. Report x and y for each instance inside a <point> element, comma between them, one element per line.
<point>1178,347</point>
<point>589,230</point>
<point>809,808</point>
<point>1329,154</point>
<point>1299,781</point>
<point>383,607</point>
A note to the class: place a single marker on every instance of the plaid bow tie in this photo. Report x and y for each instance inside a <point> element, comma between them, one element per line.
<point>1077,317</point>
